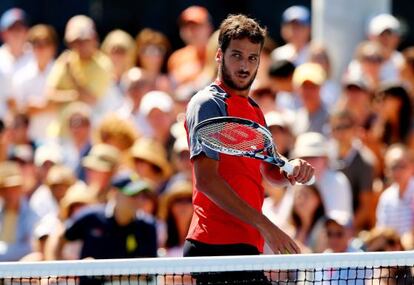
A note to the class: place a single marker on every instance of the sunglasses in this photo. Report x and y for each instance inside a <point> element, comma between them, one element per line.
<point>335,234</point>
<point>341,127</point>
<point>399,166</point>
<point>353,88</point>
<point>373,59</point>
<point>78,122</point>
<point>41,43</point>
<point>153,50</point>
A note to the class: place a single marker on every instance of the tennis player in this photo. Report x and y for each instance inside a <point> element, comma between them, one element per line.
<point>228,193</point>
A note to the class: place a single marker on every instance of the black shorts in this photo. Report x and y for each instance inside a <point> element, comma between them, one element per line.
<point>195,248</point>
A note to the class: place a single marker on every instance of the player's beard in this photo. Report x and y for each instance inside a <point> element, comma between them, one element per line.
<point>226,77</point>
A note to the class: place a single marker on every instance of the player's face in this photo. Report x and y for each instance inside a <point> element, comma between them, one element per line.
<point>239,63</point>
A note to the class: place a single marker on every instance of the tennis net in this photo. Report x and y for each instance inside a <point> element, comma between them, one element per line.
<point>391,268</point>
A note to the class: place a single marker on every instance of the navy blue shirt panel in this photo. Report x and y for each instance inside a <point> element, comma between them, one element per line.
<point>103,238</point>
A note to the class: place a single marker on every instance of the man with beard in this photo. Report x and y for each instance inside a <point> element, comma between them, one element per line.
<point>227,194</point>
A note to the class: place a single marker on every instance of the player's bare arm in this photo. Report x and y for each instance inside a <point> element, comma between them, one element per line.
<point>302,173</point>
<point>210,183</point>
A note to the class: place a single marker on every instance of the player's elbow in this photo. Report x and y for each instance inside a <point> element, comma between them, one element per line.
<point>205,183</point>
<point>206,174</point>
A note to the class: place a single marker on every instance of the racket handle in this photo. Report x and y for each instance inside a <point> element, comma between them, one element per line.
<point>288,168</point>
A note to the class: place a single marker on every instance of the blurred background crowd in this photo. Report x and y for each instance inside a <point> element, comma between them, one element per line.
<point>94,155</point>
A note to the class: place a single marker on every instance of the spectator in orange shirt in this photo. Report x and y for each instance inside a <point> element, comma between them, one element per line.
<point>195,28</point>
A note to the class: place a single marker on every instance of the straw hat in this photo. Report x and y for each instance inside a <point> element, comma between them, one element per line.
<point>153,152</point>
<point>77,193</point>
<point>179,189</point>
<point>60,174</point>
<point>102,157</point>
<point>10,174</point>
<point>312,72</point>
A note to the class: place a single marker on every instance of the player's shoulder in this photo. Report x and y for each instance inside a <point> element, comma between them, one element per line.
<point>88,213</point>
<point>211,94</point>
<point>145,219</point>
<point>253,102</point>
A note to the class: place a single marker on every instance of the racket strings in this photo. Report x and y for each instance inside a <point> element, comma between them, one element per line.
<point>234,136</point>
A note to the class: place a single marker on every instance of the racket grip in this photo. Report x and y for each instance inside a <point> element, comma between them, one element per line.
<point>288,168</point>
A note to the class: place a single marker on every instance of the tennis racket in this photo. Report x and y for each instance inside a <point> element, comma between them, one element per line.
<point>241,137</point>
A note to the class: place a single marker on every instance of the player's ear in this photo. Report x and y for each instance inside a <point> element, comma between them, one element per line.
<point>219,55</point>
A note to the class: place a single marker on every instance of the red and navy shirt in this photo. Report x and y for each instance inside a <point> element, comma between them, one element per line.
<point>211,224</point>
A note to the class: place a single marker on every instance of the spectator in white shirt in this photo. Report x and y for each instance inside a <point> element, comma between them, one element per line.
<point>335,188</point>
<point>136,83</point>
<point>28,86</point>
<point>15,52</point>
<point>45,200</point>
<point>386,30</point>
<point>296,32</point>
<point>395,208</point>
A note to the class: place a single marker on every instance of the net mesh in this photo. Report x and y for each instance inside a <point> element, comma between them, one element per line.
<point>233,136</point>
<point>359,268</point>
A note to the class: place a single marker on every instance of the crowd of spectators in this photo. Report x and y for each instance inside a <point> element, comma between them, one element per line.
<point>94,161</point>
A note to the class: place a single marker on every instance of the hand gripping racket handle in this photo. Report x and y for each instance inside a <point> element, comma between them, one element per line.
<point>288,168</point>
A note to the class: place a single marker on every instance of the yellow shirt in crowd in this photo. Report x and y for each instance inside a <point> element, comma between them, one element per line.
<point>94,74</point>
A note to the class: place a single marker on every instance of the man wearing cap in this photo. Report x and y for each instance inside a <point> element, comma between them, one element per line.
<point>46,156</point>
<point>101,164</point>
<point>17,218</point>
<point>281,81</point>
<point>280,127</point>
<point>180,160</point>
<point>357,99</point>
<point>313,116</point>
<point>29,83</point>
<point>136,83</point>
<point>45,200</point>
<point>15,53</point>
<point>296,33</point>
<point>151,162</point>
<point>82,72</point>
<point>76,126</point>
<point>195,29</point>
<point>352,157</point>
<point>113,230</point>
<point>339,232</point>
<point>395,207</point>
<point>157,108</point>
<point>339,238</point>
<point>334,186</point>
<point>386,30</point>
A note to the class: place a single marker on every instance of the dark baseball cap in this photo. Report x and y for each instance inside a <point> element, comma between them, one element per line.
<point>129,186</point>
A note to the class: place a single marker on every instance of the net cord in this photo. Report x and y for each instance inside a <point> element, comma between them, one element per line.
<point>163,266</point>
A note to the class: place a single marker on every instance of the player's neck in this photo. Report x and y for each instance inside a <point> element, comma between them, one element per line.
<point>232,91</point>
<point>244,93</point>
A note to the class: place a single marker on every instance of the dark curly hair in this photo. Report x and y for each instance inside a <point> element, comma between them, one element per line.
<point>240,27</point>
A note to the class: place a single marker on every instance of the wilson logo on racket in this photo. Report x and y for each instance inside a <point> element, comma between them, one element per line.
<point>234,135</point>
<point>241,137</point>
